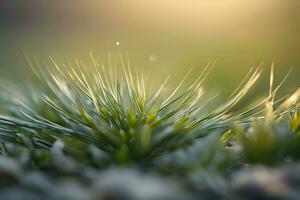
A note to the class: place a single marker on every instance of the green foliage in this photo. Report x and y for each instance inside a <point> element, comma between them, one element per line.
<point>76,118</point>
<point>270,143</point>
<point>90,107</point>
<point>113,114</point>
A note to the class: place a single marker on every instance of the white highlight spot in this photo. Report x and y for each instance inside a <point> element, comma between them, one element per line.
<point>152,58</point>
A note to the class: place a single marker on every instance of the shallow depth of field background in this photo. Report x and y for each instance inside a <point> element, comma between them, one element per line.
<point>164,36</point>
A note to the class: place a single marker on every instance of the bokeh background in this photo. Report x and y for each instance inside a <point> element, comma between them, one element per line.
<point>167,36</point>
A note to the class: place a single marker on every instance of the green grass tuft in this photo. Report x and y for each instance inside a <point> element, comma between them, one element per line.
<point>79,122</point>
<point>90,107</point>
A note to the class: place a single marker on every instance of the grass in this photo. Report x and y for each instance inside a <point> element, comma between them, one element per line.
<point>101,117</point>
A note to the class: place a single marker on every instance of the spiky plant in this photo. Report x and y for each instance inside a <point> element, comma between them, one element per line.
<point>87,108</point>
<point>274,137</point>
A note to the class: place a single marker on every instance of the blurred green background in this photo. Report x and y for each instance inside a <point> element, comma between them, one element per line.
<point>164,36</point>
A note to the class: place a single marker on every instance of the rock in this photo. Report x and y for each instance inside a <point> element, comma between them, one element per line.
<point>264,183</point>
<point>10,171</point>
<point>129,184</point>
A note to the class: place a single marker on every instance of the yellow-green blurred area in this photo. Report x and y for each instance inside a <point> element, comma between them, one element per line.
<point>164,36</point>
